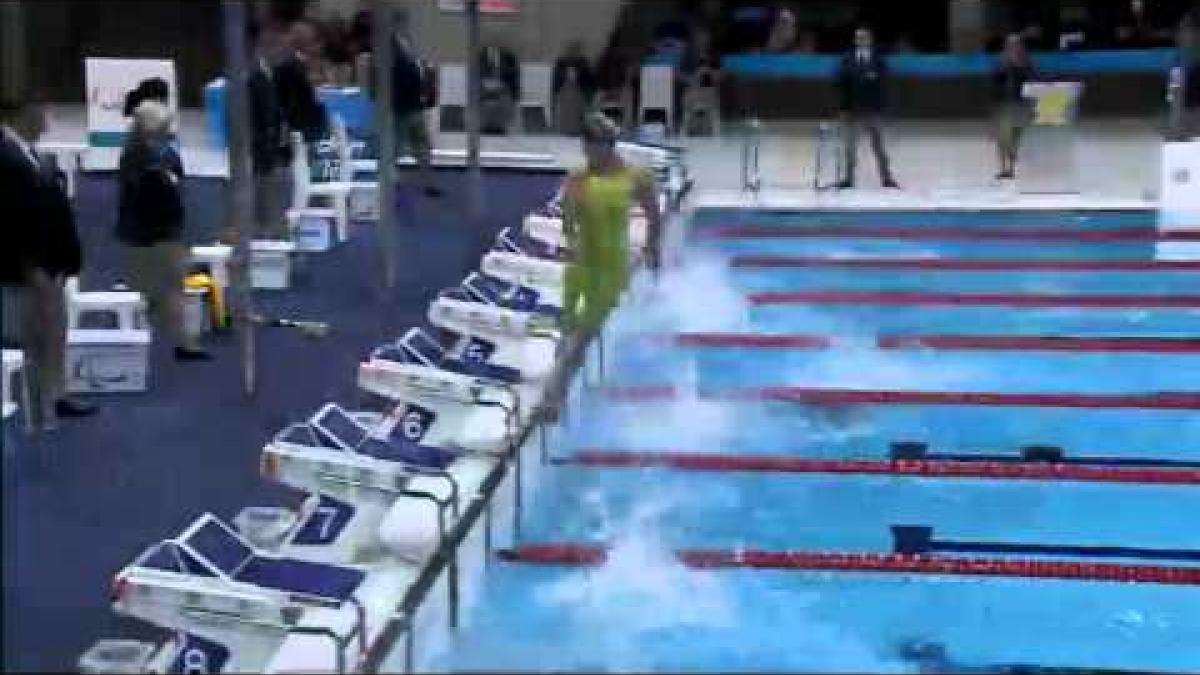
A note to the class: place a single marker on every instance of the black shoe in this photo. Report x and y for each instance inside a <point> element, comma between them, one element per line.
<point>844,185</point>
<point>1004,175</point>
<point>70,407</point>
<point>186,354</point>
<point>432,191</point>
<point>891,184</point>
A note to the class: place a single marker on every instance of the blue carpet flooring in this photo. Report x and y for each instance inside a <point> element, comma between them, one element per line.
<point>83,501</point>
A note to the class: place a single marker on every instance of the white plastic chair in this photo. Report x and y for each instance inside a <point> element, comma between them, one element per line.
<point>658,94</point>
<point>129,307</point>
<point>305,192</point>
<point>537,94</point>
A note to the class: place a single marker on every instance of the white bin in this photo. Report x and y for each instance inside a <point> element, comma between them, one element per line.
<point>101,360</point>
<point>116,656</point>
<point>197,320</point>
<point>271,264</point>
<point>314,230</point>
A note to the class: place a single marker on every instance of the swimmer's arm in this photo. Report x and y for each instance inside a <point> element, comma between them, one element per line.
<point>647,198</point>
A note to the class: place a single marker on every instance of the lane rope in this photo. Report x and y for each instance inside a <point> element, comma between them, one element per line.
<point>912,298</point>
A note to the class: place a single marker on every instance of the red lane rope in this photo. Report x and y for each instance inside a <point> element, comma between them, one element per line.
<point>965,264</point>
<point>841,397</point>
<point>951,233</point>
<point>1054,343</point>
<point>756,340</point>
<point>924,468</point>
<point>1065,300</point>
<point>893,563</point>
<point>1041,343</point>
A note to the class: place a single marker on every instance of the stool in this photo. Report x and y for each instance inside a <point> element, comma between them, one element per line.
<point>127,306</point>
<point>14,366</point>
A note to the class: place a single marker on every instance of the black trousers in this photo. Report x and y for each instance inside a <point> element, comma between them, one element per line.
<point>853,122</point>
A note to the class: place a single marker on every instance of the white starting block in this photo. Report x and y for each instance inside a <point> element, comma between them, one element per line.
<point>1179,199</point>
<point>477,287</point>
<point>361,467</point>
<point>128,307</point>
<point>248,610</point>
<point>456,377</point>
<point>497,335</point>
<point>14,367</point>
<point>549,231</point>
<point>544,276</point>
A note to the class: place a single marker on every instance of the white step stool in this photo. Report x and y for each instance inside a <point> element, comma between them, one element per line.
<point>270,264</point>
<point>106,360</point>
<point>129,307</point>
<point>216,258</point>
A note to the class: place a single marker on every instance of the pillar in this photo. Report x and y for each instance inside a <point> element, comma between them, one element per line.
<point>968,25</point>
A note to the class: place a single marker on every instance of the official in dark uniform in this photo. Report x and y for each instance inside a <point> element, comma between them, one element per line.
<point>41,249</point>
<point>862,86</point>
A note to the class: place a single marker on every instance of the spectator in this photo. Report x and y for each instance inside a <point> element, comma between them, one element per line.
<point>270,149</point>
<point>302,111</point>
<point>1136,29</point>
<point>574,87</point>
<point>862,84</point>
<point>1189,47</point>
<point>501,81</point>
<point>152,89</point>
<point>414,92</point>
<point>1012,109</point>
<point>150,223</point>
<point>783,35</point>
<point>41,250</point>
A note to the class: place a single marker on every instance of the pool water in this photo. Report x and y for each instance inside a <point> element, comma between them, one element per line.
<point>643,610</point>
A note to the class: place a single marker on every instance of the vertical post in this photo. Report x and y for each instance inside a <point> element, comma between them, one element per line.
<point>474,95</point>
<point>240,189</point>
<point>382,44</point>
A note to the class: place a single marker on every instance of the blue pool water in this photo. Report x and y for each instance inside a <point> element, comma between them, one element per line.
<point>641,610</point>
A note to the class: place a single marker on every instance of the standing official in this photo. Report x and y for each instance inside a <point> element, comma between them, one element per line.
<point>41,249</point>
<point>862,86</point>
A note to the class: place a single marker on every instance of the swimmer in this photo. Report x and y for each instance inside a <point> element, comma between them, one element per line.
<point>597,202</point>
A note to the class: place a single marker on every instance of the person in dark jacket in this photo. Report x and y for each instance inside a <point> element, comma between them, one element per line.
<point>270,151</point>
<point>41,250</point>
<point>574,87</point>
<point>150,223</point>
<point>1012,108</point>
<point>500,79</point>
<point>413,93</point>
<point>302,110</point>
<point>862,86</point>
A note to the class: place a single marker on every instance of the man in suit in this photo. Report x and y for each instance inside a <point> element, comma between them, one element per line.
<point>862,86</point>
<point>302,110</point>
<point>270,151</point>
<point>42,249</point>
<point>500,77</point>
<point>413,93</point>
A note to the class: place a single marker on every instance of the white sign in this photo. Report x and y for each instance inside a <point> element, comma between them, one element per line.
<point>108,81</point>
<point>485,6</point>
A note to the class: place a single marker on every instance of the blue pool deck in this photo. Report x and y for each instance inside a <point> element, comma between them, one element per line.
<point>643,610</point>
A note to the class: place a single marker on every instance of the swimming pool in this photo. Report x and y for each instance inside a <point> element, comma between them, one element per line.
<point>788,338</point>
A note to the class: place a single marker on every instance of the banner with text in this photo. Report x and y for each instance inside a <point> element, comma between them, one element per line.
<point>108,81</point>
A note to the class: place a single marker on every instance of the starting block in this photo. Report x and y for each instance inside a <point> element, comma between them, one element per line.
<point>544,276</point>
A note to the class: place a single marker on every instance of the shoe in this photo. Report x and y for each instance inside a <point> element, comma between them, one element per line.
<point>187,354</point>
<point>844,185</point>
<point>891,184</point>
<point>431,191</point>
<point>70,407</point>
<point>1004,175</point>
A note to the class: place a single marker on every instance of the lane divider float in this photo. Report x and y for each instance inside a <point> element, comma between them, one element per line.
<point>1077,235</point>
<point>1024,300</point>
<point>962,264</point>
<point>918,468</point>
<point>889,563</point>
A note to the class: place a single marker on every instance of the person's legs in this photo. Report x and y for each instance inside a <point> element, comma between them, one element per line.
<point>874,129</point>
<point>45,344</point>
<point>268,205</point>
<point>422,149</point>
<point>849,148</point>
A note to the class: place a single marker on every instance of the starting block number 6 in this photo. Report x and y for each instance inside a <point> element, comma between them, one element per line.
<point>414,425</point>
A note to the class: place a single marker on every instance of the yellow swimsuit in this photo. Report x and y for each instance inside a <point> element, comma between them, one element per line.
<point>597,228</point>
